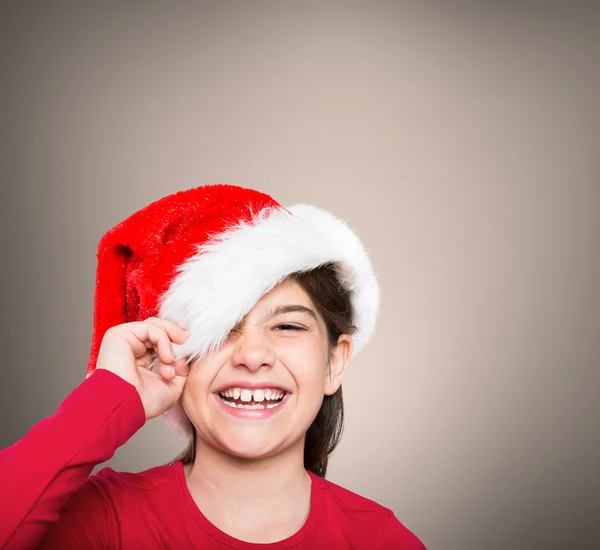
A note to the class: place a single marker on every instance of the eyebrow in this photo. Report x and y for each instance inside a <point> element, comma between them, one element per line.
<point>279,310</point>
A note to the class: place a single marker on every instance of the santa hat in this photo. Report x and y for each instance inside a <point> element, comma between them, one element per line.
<point>203,257</point>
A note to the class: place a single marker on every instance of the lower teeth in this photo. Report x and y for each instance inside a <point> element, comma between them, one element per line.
<point>256,406</point>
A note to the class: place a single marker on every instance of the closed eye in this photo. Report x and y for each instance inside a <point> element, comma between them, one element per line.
<point>288,327</point>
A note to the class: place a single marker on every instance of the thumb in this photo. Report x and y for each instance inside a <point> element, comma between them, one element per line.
<point>181,367</point>
<point>170,371</point>
<point>181,370</point>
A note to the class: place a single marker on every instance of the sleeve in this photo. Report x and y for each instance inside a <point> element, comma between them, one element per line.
<point>41,471</point>
<point>397,537</point>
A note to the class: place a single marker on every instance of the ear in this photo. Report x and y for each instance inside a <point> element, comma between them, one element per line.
<point>338,361</point>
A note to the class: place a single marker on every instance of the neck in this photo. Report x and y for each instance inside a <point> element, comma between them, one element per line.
<point>248,498</point>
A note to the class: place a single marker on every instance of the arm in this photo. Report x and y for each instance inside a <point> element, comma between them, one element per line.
<point>41,471</point>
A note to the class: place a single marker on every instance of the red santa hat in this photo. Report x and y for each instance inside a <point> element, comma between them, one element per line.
<point>203,257</point>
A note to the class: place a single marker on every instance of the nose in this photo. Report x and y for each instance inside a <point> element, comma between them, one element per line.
<point>252,352</point>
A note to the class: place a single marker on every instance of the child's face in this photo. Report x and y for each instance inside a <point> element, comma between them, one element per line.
<point>267,357</point>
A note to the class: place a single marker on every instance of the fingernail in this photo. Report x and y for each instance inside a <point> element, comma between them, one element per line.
<point>172,370</point>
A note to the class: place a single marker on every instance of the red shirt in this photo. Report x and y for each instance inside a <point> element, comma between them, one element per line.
<point>50,502</point>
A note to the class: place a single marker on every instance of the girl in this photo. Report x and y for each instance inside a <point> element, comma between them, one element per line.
<point>234,319</point>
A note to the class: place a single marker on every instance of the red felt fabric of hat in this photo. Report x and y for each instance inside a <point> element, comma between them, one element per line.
<point>139,257</point>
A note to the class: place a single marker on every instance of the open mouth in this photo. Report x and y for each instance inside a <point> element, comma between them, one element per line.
<point>267,398</point>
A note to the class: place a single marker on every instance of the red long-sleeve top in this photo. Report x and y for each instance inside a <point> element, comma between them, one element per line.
<point>49,500</point>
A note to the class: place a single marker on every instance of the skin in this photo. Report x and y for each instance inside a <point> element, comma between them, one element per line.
<point>248,478</point>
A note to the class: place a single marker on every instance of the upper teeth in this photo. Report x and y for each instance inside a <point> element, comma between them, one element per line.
<point>253,395</point>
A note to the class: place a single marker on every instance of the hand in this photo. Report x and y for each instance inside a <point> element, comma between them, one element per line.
<point>129,349</point>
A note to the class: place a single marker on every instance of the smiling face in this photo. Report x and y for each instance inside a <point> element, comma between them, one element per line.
<point>258,394</point>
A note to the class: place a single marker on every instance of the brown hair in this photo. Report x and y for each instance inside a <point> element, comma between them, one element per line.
<point>333,303</point>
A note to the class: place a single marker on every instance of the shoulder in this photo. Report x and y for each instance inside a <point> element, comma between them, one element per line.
<point>92,515</point>
<point>365,516</point>
<point>114,482</point>
<point>349,500</point>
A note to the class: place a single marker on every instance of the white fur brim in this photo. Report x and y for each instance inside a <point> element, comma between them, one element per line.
<point>221,283</point>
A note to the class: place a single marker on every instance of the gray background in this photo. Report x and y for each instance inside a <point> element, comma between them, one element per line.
<point>459,140</point>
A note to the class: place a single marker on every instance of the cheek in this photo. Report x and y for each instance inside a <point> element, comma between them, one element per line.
<point>307,364</point>
<point>196,388</point>
<point>310,346</point>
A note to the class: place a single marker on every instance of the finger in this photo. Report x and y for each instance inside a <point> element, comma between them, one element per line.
<point>145,360</point>
<point>159,338</point>
<point>177,334</point>
<point>178,369</point>
<point>133,335</point>
<point>166,371</point>
<point>181,367</point>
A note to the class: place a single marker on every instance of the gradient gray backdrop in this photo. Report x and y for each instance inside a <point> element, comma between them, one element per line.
<point>461,141</point>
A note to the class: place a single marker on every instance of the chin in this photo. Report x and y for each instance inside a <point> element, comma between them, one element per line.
<point>249,447</point>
